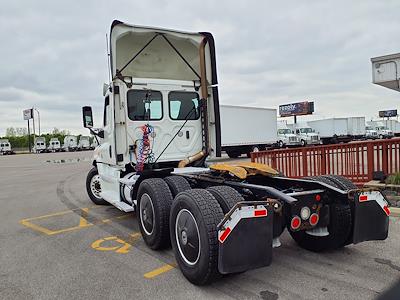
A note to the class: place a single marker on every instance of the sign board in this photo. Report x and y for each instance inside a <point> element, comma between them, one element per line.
<point>296,109</point>
<point>28,114</point>
<point>388,113</point>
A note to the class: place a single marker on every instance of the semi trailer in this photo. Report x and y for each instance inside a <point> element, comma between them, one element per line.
<point>339,130</point>
<point>247,129</point>
<point>162,123</point>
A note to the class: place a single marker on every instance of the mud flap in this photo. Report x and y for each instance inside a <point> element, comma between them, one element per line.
<point>371,217</point>
<point>245,238</point>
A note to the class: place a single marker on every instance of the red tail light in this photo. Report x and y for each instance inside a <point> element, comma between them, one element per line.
<point>295,223</point>
<point>318,198</point>
<point>314,218</point>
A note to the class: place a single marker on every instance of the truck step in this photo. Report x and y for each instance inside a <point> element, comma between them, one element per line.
<point>123,206</point>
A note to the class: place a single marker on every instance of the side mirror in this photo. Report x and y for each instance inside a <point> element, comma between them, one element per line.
<point>87,117</point>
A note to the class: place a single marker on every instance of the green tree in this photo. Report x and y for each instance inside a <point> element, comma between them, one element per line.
<point>10,131</point>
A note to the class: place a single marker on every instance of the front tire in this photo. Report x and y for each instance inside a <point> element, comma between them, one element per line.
<point>303,143</point>
<point>154,204</point>
<point>93,187</point>
<point>194,217</point>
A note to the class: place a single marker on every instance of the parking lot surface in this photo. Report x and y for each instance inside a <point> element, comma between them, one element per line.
<point>55,244</point>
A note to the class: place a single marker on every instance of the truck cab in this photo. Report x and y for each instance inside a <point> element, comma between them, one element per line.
<point>370,132</point>
<point>383,131</point>
<point>5,147</point>
<point>84,143</point>
<point>54,145</point>
<point>286,137</point>
<point>39,145</point>
<point>306,134</point>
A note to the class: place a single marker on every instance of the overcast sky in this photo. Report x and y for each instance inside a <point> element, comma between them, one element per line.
<point>53,56</point>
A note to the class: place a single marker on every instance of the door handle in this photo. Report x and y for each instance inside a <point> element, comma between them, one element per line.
<point>187,134</point>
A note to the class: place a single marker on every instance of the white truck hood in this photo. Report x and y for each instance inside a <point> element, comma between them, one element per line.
<point>146,52</point>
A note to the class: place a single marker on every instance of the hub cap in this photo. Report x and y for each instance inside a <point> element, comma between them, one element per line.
<point>95,186</point>
<point>187,237</point>
<point>147,214</point>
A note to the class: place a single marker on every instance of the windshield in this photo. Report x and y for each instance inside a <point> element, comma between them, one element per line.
<point>382,128</point>
<point>369,128</point>
<point>284,131</point>
<point>306,130</point>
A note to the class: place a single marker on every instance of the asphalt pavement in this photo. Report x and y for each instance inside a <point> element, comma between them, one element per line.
<point>55,244</point>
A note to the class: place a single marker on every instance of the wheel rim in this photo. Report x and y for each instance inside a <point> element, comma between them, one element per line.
<point>303,143</point>
<point>95,186</point>
<point>187,237</point>
<point>255,149</point>
<point>147,214</point>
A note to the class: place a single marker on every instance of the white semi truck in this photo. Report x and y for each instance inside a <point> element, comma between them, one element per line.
<point>84,143</point>
<point>54,145</point>
<point>382,129</point>
<point>5,147</point>
<point>70,143</point>
<point>370,132</point>
<point>161,123</point>
<point>39,145</point>
<point>339,130</point>
<point>286,136</point>
<point>305,133</point>
<point>247,129</point>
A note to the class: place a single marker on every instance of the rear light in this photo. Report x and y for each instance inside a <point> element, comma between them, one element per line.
<point>317,197</point>
<point>295,223</point>
<point>260,213</point>
<point>363,198</point>
<point>305,213</point>
<point>314,218</point>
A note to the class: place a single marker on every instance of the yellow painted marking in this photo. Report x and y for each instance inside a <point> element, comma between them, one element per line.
<point>159,271</point>
<point>83,222</point>
<point>122,248</point>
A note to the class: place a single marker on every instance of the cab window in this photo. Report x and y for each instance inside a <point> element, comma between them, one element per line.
<point>145,105</point>
<point>183,106</point>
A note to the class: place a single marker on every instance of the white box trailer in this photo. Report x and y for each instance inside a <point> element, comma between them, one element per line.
<point>356,127</point>
<point>70,143</point>
<point>247,129</point>
<point>332,130</point>
<point>54,145</point>
<point>84,143</point>
<point>385,71</point>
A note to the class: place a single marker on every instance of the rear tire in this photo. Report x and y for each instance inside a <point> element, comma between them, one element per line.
<point>153,208</point>
<point>177,184</point>
<point>339,230</point>
<point>226,196</point>
<point>93,187</point>
<point>344,183</point>
<point>194,217</point>
<point>233,154</point>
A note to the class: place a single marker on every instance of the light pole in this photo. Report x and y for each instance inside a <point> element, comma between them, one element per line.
<point>38,117</point>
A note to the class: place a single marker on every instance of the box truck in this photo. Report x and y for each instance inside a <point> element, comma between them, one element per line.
<point>5,147</point>
<point>39,145</point>
<point>54,145</point>
<point>247,129</point>
<point>333,130</point>
<point>84,143</point>
<point>161,123</point>
<point>70,143</point>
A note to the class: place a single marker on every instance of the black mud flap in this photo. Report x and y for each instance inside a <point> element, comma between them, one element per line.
<point>371,217</point>
<point>245,239</point>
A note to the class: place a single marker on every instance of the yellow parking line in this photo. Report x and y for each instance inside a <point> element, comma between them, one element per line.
<point>159,271</point>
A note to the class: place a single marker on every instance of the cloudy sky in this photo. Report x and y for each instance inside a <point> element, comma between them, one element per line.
<point>53,56</point>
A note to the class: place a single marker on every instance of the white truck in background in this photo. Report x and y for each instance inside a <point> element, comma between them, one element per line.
<point>84,143</point>
<point>370,132</point>
<point>247,129</point>
<point>305,133</point>
<point>54,145</point>
<point>286,137</point>
<point>5,147</point>
<point>39,145</point>
<point>70,143</point>
<point>339,130</point>
<point>385,128</point>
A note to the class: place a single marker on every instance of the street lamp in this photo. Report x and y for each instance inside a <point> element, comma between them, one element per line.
<point>38,117</point>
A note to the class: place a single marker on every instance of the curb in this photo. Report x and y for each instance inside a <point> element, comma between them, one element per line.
<point>395,211</point>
